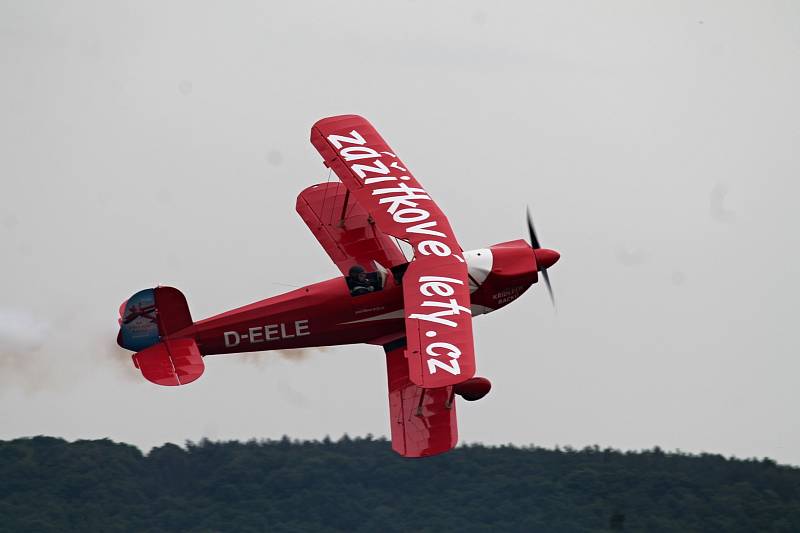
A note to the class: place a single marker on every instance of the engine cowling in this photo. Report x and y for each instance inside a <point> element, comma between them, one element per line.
<point>512,271</point>
<point>501,273</point>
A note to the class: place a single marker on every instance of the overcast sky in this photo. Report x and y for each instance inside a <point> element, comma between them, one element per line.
<point>146,143</point>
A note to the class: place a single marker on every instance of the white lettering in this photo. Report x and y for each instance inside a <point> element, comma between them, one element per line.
<point>453,353</point>
<point>354,153</point>
<point>271,331</point>
<point>405,204</point>
<point>362,170</point>
<point>452,368</point>
<point>451,309</point>
<point>423,228</point>
<point>436,287</point>
<point>416,215</point>
<point>337,140</point>
<point>285,335</point>
<point>254,334</point>
<point>231,339</point>
<point>434,247</point>
<point>301,328</point>
<point>408,193</point>
<point>441,278</point>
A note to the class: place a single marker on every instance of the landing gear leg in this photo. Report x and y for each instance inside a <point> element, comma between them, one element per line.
<point>450,398</point>
<point>421,399</point>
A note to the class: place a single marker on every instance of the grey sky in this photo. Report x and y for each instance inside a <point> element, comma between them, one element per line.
<point>152,142</point>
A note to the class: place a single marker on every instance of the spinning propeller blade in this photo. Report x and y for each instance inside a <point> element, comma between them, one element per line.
<point>544,257</point>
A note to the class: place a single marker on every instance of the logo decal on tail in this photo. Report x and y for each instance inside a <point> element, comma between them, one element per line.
<point>138,324</point>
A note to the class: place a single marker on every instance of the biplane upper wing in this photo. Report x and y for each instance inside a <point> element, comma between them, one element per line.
<point>435,287</point>
<point>344,228</point>
<point>422,421</point>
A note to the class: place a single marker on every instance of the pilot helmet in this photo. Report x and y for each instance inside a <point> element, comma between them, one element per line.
<point>355,270</point>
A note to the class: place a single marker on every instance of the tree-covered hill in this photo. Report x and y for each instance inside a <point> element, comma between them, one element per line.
<point>48,484</point>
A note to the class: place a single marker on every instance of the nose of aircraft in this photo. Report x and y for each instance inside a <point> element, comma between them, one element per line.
<point>545,258</point>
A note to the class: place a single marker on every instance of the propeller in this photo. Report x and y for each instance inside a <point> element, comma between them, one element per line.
<point>544,257</point>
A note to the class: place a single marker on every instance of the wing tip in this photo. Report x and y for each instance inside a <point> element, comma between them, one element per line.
<point>325,122</point>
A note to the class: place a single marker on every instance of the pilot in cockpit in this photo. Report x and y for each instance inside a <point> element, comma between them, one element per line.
<point>360,282</point>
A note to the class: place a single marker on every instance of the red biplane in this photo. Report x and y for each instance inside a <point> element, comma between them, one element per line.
<point>420,310</point>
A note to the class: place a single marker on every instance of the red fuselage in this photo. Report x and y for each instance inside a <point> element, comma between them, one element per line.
<point>325,313</point>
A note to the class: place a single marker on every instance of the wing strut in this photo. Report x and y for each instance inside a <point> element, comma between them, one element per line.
<point>344,208</point>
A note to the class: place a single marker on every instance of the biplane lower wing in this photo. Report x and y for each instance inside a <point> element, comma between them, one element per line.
<point>344,228</point>
<point>423,421</point>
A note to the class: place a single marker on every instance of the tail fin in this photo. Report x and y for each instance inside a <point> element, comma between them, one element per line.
<point>150,315</point>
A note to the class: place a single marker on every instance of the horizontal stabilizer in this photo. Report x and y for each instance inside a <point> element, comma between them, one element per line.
<point>172,362</point>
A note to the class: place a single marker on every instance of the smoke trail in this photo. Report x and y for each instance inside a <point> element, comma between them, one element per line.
<point>297,355</point>
<point>21,339</point>
<point>120,358</point>
<point>32,358</point>
<point>301,354</point>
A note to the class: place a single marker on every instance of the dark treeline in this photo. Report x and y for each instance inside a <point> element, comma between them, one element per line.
<point>48,484</point>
